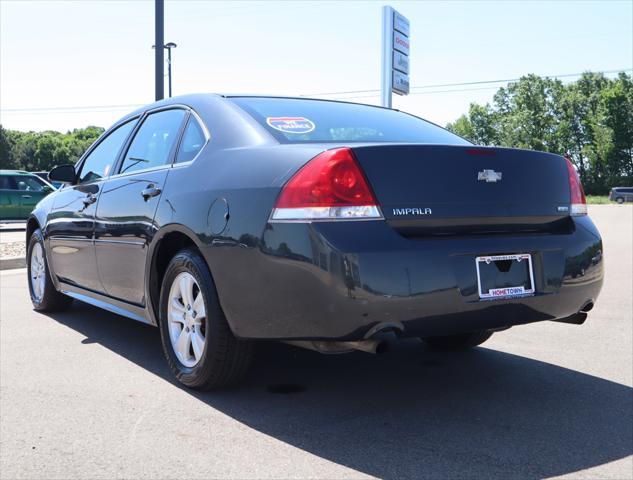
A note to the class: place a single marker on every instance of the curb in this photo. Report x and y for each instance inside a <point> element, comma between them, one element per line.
<point>12,262</point>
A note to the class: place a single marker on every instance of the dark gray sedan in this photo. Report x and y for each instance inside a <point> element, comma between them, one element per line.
<point>228,219</point>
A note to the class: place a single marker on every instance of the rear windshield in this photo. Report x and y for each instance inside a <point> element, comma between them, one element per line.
<point>292,120</point>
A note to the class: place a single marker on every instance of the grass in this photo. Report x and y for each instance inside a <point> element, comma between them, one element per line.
<point>598,200</point>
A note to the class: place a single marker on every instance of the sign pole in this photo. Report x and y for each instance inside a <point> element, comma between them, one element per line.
<point>386,77</point>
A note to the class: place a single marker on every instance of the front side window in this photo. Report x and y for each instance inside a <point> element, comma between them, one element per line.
<point>192,141</point>
<point>30,184</point>
<point>154,141</point>
<point>100,161</point>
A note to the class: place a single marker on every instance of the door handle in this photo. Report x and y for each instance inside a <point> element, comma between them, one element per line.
<point>150,191</point>
<point>89,200</point>
<point>26,196</point>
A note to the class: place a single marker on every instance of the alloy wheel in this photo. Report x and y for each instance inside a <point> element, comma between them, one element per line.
<point>186,316</point>
<point>38,272</point>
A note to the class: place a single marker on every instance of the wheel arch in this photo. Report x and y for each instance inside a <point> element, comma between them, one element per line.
<point>166,243</point>
<point>32,224</point>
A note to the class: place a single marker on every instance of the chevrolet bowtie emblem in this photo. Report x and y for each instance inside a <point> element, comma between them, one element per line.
<point>489,176</point>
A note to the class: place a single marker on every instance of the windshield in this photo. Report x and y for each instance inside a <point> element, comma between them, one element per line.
<point>292,120</point>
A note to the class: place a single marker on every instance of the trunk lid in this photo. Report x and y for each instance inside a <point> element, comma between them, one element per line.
<point>442,189</point>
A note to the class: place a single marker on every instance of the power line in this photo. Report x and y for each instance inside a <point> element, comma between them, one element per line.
<point>87,107</point>
<point>109,108</point>
<point>67,112</point>
<point>479,82</point>
<point>94,109</point>
<point>452,89</point>
<point>421,93</point>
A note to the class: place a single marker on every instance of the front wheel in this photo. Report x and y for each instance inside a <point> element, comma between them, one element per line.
<point>197,341</point>
<point>458,342</point>
<point>620,200</point>
<point>43,294</point>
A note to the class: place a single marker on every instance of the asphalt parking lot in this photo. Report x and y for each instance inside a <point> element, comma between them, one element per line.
<point>87,394</point>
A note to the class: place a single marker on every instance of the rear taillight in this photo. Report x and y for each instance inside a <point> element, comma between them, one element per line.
<point>578,200</point>
<point>331,186</point>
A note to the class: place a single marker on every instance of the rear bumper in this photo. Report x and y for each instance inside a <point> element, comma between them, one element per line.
<point>346,280</point>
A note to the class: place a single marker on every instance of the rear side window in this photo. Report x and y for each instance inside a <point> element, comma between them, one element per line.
<point>154,141</point>
<point>100,161</point>
<point>7,183</point>
<point>315,121</point>
<point>192,141</point>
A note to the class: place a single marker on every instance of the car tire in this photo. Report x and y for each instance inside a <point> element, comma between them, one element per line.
<point>462,341</point>
<point>209,355</point>
<point>44,296</point>
<point>620,200</point>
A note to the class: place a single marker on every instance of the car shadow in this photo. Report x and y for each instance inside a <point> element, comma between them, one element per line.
<point>412,412</point>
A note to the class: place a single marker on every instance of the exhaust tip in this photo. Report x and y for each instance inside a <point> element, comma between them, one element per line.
<point>588,306</point>
<point>382,347</point>
<point>576,319</point>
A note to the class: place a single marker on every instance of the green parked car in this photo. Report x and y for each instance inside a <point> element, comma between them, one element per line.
<point>19,193</point>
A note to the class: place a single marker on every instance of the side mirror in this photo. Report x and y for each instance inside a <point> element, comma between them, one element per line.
<point>63,173</point>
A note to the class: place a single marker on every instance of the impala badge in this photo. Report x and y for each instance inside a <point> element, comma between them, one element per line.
<point>412,211</point>
<point>489,176</point>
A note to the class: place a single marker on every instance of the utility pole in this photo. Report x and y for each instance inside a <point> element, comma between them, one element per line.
<point>159,41</point>
<point>169,46</point>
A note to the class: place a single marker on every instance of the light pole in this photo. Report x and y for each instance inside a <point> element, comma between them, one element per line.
<point>159,15</point>
<point>168,47</point>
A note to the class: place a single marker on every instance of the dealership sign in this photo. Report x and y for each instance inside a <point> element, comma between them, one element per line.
<point>400,62</point>
<point>395,55</point>
<point>400,82</point>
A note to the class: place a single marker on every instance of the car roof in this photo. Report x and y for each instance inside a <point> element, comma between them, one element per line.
<point>198,101</point>
<point>233,126</point>
<point>195,98</point>
<point>15,172</point>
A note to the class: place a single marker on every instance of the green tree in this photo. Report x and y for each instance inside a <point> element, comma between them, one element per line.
<point>464,128</point>
<point>616,114</point>
<point>528,113</point>
<point>590,120</point>
<point>479,126</point>
<point>43,150</point>
<point>6,150</point>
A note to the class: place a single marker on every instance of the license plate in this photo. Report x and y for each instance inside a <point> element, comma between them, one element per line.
<point>505,276</point>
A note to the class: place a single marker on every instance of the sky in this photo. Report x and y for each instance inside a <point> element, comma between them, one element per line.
<point>69,64</point>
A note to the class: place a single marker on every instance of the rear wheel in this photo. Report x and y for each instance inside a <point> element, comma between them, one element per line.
<point>458,342</point>
<point>199,346</point>
<point>43,294</point>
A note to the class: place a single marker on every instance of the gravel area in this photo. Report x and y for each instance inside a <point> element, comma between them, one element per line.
<point>12,249</point>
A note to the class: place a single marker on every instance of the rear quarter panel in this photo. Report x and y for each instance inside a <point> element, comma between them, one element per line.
<point>224,199</point>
